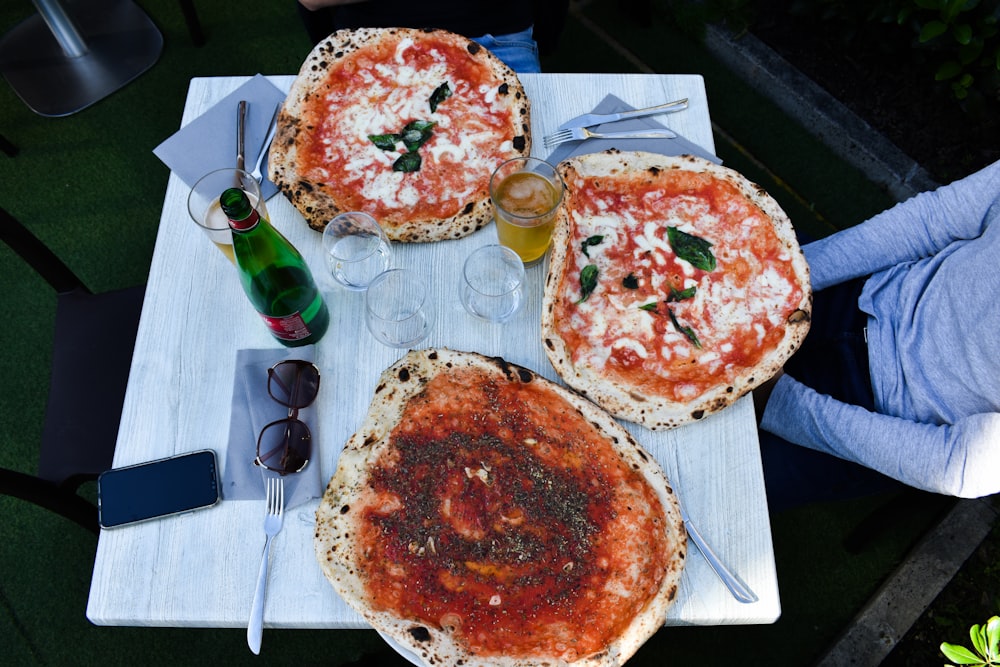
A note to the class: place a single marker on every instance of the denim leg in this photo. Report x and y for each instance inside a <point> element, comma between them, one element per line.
<point>518,50</point>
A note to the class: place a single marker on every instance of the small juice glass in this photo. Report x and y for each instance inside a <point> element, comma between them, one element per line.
<point>526,193</point>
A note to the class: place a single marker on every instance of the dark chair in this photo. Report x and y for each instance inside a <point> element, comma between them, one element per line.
<point>92,353</point>
<point>193,23</point>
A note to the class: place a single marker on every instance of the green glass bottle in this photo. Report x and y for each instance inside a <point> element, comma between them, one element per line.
<point>274,275</point>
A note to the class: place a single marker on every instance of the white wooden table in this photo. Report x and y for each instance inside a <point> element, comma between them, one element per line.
<point>199,569</point>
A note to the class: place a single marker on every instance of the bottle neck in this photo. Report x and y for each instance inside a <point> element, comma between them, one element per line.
<point>238,209</point>
<point>247,223</point>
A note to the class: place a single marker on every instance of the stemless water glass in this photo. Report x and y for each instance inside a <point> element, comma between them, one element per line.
<point>357,249</point>
<point>398,310</point>
<point>205,210</point>
<point>492,281</point>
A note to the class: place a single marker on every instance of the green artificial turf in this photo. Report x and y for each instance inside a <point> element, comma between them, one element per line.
<point>90,186</point>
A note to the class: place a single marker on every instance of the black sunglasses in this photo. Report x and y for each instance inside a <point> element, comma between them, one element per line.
<point>284,446</point>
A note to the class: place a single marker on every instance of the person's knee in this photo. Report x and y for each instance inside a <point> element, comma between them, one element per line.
<point>519,51</point>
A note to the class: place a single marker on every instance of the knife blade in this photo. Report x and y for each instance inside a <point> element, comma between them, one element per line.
<point>241,133</point>
<point>591,119</point>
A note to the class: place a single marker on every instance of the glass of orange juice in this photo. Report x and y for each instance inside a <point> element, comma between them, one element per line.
<point>526,194</point>
<point>205,210</point>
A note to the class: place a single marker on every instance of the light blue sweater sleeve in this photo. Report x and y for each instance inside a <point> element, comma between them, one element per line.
<point>912,230</point>
<point>960,459</point>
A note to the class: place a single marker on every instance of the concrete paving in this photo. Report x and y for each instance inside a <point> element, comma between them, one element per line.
<point>847,135</point>
<point>906,594</point>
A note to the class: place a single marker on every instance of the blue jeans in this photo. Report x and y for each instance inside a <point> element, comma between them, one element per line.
<point>518,50</point>
<point>833,360</point>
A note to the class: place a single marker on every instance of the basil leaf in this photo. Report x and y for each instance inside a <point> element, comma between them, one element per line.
<point>440,94</point>
<point>416,133</point>
<point>651,307</point>
<point>692,249</point>
<point>687,331</point>
<point>588,281</point>
<point>682,295</point>
<point>630,282</point>
<point>386,142</point>
<point>407,162</point>
<point>593,240</point>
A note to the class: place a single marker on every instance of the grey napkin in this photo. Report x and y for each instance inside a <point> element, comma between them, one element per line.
<point>253,409</point>
<point>611,104</point>
<point>209,141</point>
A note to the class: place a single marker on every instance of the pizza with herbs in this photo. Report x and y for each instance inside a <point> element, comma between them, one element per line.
<point>483,515</point>
<point>406,125</point>
<point>675,286</point>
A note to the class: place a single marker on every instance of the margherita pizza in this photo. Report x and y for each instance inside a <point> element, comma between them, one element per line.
<point>406,125</point>
<point>483,515</point>
<point>675,286</point>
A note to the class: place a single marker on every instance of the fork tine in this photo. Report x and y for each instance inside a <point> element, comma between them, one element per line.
<point>275,495</point>
<point>558,137</point>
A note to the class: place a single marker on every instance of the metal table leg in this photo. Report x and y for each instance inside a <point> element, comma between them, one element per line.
<point>77,52</point>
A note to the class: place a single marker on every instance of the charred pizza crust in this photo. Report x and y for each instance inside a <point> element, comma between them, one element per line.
<point>374,81</point>
<point>651,398</point>
<point>470,608</point>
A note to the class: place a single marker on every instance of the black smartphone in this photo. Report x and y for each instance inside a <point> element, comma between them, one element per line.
<point>159,488</point>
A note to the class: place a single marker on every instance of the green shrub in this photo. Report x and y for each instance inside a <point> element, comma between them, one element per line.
<point>956,41</point>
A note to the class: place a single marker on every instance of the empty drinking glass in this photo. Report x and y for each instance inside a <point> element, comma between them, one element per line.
<point>357,249</point>
<point>398,310</point>
<point>492,280</point>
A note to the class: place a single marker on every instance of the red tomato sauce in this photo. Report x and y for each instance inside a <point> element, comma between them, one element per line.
<point>513,518</point>
<point>333,146</point>
<point>720,214</point>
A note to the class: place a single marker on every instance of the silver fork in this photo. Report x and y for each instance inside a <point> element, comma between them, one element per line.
<point>272,525</point>
<point>256,173</point>
<point>580,133</point>
<point>736,586</point>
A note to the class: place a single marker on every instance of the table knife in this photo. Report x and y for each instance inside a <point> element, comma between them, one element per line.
<point>241,133</point>
<point>591,119</point>
<point>736,586</point>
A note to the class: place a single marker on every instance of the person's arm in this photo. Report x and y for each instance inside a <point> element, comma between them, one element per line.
<point>916,228</point>
<point>958,460</point>
<point>313,5</point>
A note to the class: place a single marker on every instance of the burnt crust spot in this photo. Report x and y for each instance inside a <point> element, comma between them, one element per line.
<point>504,88</point>
<point>505,367</point>
<point>519,142</point>
<point>525,375</point>
<point>344,509</point>
<point>697,414</point>
<point>474,48</point>
<point>404,374</point>
<point>420,633</point>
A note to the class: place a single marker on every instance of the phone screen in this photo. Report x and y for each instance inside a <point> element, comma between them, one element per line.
<point>158,488</point>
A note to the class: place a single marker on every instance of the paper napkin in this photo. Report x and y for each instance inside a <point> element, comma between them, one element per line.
<point>253,409</point>
<point>611,104</point>
<point>209,141</point>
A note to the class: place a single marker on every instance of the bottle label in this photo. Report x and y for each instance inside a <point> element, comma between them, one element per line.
<point>289,327</point>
